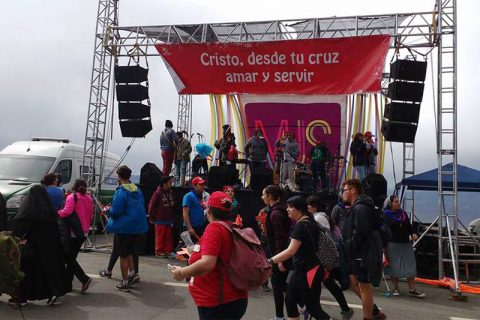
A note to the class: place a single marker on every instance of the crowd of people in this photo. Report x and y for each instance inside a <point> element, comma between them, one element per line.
<point>53,227</point>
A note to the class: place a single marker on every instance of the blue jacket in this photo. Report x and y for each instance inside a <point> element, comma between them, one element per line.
<point>127,214</point>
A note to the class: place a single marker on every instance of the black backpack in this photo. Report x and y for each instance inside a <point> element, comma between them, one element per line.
<point>327,251</point>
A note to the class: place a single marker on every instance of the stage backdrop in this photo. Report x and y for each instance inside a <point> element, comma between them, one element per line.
<point>311,118</point>
<point>314,66</point>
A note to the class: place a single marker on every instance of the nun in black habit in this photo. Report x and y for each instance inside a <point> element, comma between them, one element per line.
<point>43,257</point>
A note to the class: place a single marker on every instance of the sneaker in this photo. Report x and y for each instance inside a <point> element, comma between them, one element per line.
<point>347,315</point>
<point>133,279</point>
<point>416,294</point>
<point>123,286</point>
<point>14,302</point>
<point>51,301</point>
<point>379,315</point>
<point>266,288</point>
<point>396,293</point>
<point>161,255</point>
<point>105,274</point>
<point>172,255</point>
<point>85,286</point>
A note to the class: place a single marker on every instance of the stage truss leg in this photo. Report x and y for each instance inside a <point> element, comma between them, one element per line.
<point>408,171</point>
<point>447,137</point>
<point>94,143</point>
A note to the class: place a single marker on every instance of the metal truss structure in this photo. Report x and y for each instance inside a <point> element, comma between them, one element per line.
<point>411,33</point>
<point>94,143</point>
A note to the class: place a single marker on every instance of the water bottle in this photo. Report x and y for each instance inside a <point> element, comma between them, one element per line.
<point>187,240</point>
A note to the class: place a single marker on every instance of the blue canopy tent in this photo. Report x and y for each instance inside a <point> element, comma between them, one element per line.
<point>468,179</point>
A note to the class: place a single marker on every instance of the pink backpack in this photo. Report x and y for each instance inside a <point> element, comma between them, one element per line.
<point>248,268</point>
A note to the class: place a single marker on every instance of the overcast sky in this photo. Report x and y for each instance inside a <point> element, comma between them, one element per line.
<point>47,50</point>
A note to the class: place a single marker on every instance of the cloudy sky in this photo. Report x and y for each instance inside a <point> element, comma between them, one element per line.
<point>47,50</point>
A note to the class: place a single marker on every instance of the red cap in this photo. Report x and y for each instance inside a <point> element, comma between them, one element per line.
<point>198,180</point>
<point>368,134</point>
<point>220,200</point>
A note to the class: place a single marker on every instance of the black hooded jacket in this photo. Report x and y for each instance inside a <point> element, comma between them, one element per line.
<point>358,226</point>
<point>362,239</point>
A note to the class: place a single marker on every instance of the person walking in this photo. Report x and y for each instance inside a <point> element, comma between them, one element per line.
<point>55,193</point>
<point>128,220</point>
<point>43,258</point>
<point>256,150</point>
<point>214,295</point>
<point>305,285</point>
<point>182,158</point>
<point>277,227</point>
<point>363,246</point>
<point>160,212</point>
<point>168,144</point>
<point>315,205</point>
<point>399,253</point>
<point>79,204</point>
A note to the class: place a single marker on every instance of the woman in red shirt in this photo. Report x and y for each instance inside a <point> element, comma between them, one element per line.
<point>212,291</point>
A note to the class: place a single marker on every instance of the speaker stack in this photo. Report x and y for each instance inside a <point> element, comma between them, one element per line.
<point>400,119</point>
<point>132,91</point>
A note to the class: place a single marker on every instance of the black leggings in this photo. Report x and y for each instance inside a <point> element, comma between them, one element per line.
<point>279,286</point>
<point>229,311</point>
<point>336,292</point>
<point>114,257</point>
<point>298,292</point>
<point>73,268</point>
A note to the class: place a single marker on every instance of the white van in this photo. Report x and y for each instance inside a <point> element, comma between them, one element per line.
<point>24,163</point>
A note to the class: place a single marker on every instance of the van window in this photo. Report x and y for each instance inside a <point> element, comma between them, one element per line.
<point>64,167</point>
<point>24,168</point>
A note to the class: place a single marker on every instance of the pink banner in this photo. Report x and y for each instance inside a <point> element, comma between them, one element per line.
<point>309,121</point>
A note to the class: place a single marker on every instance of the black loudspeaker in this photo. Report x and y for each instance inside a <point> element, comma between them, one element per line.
<point>375,186</point>
<point>405,91</point>
<point>131,92</point>
<point>402,112</point>
<point>305,183</point>
<point>399,131</point>
<point>260,178</point>
<point>135,111</point>
<point>221,176</point>
<point>150,175</point>
<point>130,74</point>
<point>135,128</point>
<point>408,70</point>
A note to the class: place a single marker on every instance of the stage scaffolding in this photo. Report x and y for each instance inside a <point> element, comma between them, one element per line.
<point>415,34</point>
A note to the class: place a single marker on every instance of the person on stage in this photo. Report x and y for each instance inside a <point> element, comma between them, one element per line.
<point>182,158</point>
<point>358,149</point>
<point>256,150</point>
<point>168,144</point>
<point>319,156</point>
<point>372,153</point>
<point>225,144</point>
<point>291,151</point>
